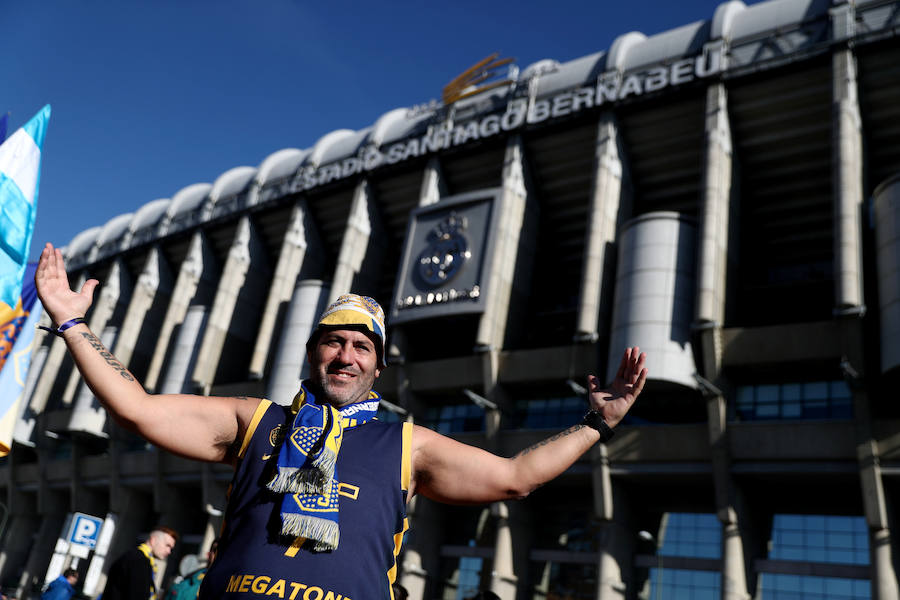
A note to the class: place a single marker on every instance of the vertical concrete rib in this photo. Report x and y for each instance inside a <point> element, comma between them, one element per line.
<point>309,301</point>
<point>363,241</point>
<point>109,307</point>
<point>616,539</point>
<point>609,195</point>
<point>512,210</point>
<point>238,303</point>
<point>88,415</point>
<point>195,284</point>
<point>712,256</point>
<point>155,281</point>
<point>183,357</point>
<point>52,367</point>
<point>503,577</point>
<point>299,250</point>
<point>24,430</point>
<point>847,166</point>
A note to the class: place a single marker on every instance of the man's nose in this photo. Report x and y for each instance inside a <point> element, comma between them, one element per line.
<point>346,353</point>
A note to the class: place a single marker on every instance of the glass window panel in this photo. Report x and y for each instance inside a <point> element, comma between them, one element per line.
<point>767,393</point>
<point>791,391</point>
<point>745,396</point>
<point>839,389</point>
<point>815,390</point>
<point>766,411</point>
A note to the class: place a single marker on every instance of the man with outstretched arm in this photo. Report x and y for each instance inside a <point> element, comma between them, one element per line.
<point>318,500</point>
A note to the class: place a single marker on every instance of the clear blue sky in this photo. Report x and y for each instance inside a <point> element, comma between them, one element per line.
<point>149,97</point>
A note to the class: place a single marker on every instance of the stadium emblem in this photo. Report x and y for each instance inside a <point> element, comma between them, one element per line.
<point>442,260</point>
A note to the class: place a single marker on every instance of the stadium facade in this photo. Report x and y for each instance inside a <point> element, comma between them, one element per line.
<point>724,194</point>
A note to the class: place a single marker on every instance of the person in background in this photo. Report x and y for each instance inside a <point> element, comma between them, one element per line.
<point>189,587</point>
<point>133,575</point>
<point>61,588</point>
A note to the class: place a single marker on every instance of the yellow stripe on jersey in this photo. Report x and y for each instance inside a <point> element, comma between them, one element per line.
<point>251,428</point>
<point>406,457</point>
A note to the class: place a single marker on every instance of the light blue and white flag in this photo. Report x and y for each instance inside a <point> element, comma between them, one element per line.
<point>16,341</point>
<point>20,174</point>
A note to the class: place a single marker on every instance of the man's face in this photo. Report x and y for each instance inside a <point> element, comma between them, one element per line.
<point>344,364</point>
<point>161,544</point>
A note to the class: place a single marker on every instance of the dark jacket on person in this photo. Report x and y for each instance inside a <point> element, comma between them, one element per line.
<point>130,577</point>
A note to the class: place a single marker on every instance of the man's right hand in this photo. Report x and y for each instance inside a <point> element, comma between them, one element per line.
<point>54,291</point>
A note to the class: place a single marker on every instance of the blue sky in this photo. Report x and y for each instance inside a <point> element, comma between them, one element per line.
<point>149,97</point>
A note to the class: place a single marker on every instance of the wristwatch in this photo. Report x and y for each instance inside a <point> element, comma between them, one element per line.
<point>594,419</point>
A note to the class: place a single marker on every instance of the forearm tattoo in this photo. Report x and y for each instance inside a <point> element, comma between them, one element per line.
<point>559,435</point>
<point>109,358</point>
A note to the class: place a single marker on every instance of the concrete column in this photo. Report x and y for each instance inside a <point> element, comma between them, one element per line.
<point>301,250</point>
<point>610,199</point>
<point>195,284</point>
<point>712,255</point>
<point>52,367</point>
<point>20,533</point>
<point>433,185</point>
<point>510,256</point>
<point>88,414</point>
<point>362,247</point>
<point>290,365</point>
<point>847,166</point>
<point>616,543</point>
<point>108,309</point>
<point>421,554</point>
<point>503,576</point>
<point>236,310</point>
<point>884,575</point>
<point>184,354</point>
<point>145,311</point>
<point>24,431</point>
<point>40,553</point>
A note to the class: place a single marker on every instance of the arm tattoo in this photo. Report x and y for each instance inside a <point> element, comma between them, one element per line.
<point>559,435</point>
<point>109,358</point>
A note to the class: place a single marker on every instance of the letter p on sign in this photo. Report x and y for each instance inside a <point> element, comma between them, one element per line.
<point>85,530</point>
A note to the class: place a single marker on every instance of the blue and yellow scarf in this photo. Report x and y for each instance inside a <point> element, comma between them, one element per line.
<point>307,466</point>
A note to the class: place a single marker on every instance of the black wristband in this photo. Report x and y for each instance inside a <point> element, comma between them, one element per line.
<point>594,420</point>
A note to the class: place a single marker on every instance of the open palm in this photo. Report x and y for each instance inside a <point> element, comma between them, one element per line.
<point>54,291</point>
<point>614,401</point>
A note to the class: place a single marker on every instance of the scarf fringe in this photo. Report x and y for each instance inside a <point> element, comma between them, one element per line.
<point>312,479</point>
<point>323,533</point>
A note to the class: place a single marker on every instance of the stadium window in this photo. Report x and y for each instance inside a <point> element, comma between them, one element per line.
<point>549,413</point>
<point>454,418</point>
<point>822,539</point>
<point>810,400</point>
<point>689,535</point>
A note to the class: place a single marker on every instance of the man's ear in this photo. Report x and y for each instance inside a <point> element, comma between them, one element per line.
<point>377,372</point>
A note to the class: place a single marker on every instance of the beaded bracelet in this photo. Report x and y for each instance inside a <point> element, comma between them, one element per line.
<point>58,331</point>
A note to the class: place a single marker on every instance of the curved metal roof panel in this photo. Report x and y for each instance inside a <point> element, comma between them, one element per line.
<point>775,14</point>
<point>723,19</point>
<point>385,122</point>
<point>394,129</point>
<point>231,182</point>
<point>83,242</point>
<point>572,74</point>
<point>321,146</point>
<point>188,198</point>
<point>149,214</point>
<point>620,48</point>
<point>673,44</point>
<point>280,164</point>
<point>343,146</point>
<point>540,67</point>
<point>115,228</point>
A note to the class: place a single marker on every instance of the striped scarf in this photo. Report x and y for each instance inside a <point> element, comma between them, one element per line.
<point>306,471</point>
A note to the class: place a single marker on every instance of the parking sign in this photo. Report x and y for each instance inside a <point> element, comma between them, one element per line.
<point>84,530</point>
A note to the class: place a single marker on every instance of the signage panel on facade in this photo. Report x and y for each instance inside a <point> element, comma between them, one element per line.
<point>84,530</point>
<point>445,258</point>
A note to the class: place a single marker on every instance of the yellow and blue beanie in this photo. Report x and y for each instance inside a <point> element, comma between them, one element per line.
<point>352,311</point>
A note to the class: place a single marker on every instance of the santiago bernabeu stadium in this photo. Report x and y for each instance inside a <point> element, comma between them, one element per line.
<point>724,194</point>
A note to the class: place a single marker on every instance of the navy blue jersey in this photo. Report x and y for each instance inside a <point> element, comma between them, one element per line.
<point>253,561</point>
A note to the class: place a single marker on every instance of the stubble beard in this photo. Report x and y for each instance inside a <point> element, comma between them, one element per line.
<point>338,397</point>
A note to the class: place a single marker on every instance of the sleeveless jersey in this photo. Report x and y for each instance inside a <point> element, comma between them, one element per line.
<point>253,562</point>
